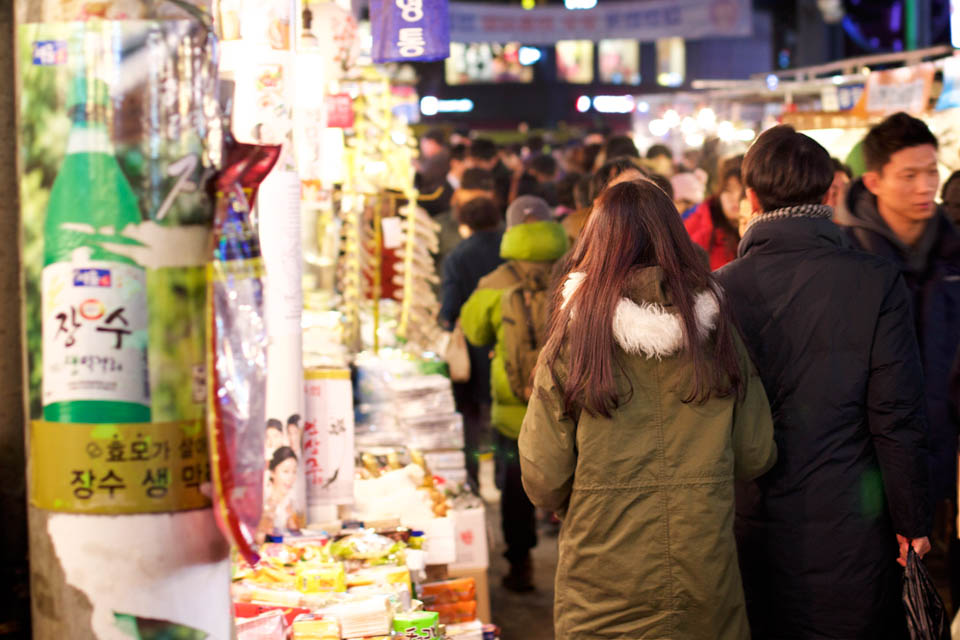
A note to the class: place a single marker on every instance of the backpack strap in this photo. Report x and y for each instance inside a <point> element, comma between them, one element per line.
<point>527,316</point>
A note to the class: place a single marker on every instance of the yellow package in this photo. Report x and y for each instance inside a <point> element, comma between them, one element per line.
<point>379,576</point>
<point>316,629</point>
<point>267,595</point>
<point>320,578</point>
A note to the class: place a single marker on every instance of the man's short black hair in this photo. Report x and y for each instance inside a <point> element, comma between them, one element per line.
<point>480,214</point>
<point>544,164</point>
<point>566,188</point>
<point>899,131</point>
<point>620,147</point>
<point>483,149</point>
<point>581,192</point>
<point>437,135</point>
<point>658,150</point>
<point>535,144</point>
<point>478,179</point>
<point>458,152</point>
<point>786,169</point>
<point>952,184</point>
<point>842,168</point>
<point>610,170</point>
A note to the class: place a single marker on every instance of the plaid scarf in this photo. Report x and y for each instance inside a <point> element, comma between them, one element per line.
<point>800,211</point>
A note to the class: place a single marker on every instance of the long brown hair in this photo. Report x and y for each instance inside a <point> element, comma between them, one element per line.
<point>634,224</point>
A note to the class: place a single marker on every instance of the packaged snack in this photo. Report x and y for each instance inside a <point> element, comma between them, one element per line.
<point>370,616</point>
<point>312,627</point>
<point>457,612</point>
<point>448,591</point>
<point>236,353</point>
<point>465,631</point>
<point>319,578</point>
<point>276,596</point>
<point>252,610</point>
<point>379,576</point>
<point>367,549</point>
<point>267,625</point>
<point>417,624</point>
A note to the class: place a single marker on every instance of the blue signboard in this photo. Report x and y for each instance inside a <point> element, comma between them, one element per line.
<point>410,30</point>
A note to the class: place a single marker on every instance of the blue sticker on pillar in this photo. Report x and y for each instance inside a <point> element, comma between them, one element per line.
<point>410,30</point>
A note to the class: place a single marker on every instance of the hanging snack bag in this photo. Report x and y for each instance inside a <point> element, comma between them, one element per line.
<point>236,355</point>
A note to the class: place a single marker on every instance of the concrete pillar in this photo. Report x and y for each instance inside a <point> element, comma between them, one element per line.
<point>85,568</point>
<point>14,612</point>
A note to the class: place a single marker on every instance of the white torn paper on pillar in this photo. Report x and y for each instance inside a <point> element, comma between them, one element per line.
<point>170,566</point>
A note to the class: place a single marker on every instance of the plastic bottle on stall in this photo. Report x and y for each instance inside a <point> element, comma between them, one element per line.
<point>94,298</point>
<point>307,39</point>
<point>416,561</point>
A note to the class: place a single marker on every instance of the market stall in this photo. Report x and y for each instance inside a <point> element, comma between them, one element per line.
<point>368,526</point>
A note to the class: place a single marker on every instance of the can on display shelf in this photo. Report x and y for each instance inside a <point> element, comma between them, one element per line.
<point>328,442</point>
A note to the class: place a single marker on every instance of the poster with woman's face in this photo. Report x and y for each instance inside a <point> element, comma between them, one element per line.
<point>283,446</point>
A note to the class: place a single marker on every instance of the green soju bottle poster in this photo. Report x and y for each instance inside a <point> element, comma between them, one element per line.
<point>94,300</point>
<point>118,129</point>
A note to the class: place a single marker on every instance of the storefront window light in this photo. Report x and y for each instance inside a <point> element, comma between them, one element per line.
<point>671,61</point>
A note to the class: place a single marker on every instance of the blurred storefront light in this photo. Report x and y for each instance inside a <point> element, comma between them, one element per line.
<point>614,104</point>
<point>695,140</point>
<point>583,104</point>
<point>726,131</point>
<point>659,127</point>
<point>707,118</point>
<point>529,55</point>
<point>431,105</point>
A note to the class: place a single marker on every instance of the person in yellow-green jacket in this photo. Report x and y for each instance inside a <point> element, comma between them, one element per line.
<point>508,311</point>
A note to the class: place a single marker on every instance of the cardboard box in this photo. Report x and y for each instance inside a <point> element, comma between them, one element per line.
<point>470,529</point>
<point>483,589</point>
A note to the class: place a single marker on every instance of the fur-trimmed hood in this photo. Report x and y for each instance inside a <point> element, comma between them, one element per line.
<point>645,321</point>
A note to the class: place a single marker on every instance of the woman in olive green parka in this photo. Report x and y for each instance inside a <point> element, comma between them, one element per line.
<point>635,433</point>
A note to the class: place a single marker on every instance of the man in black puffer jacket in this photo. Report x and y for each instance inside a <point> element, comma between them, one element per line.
<point>891,213</point>
<point>831,334</point>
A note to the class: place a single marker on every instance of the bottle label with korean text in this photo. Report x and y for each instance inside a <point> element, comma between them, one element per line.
<point>95,332</point>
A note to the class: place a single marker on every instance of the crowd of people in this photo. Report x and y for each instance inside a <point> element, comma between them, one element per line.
<point>734,380</point>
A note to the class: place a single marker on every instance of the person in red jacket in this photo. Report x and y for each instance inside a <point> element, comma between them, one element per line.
<point>714,225</point>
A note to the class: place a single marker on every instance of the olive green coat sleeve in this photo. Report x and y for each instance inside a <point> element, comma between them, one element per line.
<point>548,456</point>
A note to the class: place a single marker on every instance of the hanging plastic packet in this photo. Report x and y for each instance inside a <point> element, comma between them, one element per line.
<point>237,364</point>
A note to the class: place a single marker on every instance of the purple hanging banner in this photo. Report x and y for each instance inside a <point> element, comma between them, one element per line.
<point>407,30</point>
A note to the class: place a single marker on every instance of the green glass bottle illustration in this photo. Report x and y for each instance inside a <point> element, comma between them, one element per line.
<point>94,294</point>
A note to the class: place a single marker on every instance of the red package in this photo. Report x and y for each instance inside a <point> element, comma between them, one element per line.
<point>252,610</point>
<point>236,349</point>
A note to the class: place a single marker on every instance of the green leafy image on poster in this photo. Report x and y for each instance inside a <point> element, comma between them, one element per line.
<point>149,629</point>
